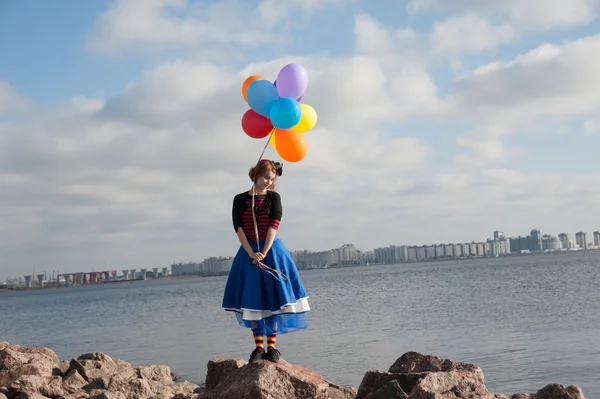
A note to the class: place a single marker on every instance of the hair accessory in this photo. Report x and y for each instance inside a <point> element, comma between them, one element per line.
<point>278,168</point>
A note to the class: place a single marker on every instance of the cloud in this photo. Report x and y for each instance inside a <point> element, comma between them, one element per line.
<point>468,33</point>
<point>11,101</point>
<point>154,26</point>
<point>523,15</point>
<point>549,84</point>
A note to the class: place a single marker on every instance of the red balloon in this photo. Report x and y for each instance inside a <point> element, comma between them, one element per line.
<point>255,125</point>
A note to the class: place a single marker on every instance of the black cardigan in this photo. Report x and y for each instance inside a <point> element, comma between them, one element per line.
<point>272,207</point>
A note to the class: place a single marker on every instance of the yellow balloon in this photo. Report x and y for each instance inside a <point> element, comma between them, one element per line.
<point>308,120</point>
<point>272,141</point>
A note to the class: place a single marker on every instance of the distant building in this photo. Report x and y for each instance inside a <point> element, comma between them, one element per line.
<point>215,265</point>
<point>550,243</point>
<point>182,269</point>
<point>581,240</point>
<point>536,240</point>
<point>597,238</point>
<point>565,241</point>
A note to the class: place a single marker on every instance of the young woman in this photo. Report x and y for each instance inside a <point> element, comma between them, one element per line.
<point>264,288</point>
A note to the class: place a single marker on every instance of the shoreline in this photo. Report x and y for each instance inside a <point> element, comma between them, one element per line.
<point>18,288</point>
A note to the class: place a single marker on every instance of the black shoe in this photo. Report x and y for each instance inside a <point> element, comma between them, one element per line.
<point>273,355</point>
<point>256,355</point>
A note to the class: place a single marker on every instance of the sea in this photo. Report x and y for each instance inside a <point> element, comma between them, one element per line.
<point>526,320</point>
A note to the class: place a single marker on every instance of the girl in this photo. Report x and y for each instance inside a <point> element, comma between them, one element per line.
<point>264,288</point>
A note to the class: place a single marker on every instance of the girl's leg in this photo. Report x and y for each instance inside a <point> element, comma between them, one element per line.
<point>258,332</point>
<point>259,338</point>
<point>272,353</point>
<point>271,341</point>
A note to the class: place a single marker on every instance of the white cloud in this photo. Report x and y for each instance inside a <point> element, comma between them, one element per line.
<point>474,26</point>
<point>549,84</point>
<point>549,81</point>
<point>590,126</point>
<point>153,26</point>
<point>11,101</point>
<point>468,33</point>
<point>374,39</point>
<point>523,15</point>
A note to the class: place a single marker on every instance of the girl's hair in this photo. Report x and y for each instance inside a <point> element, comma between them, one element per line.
<point>264,166</point>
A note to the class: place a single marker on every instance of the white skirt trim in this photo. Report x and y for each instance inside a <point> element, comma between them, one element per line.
<point>300,306</point>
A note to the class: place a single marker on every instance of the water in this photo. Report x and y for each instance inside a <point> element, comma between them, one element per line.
<point>525,320</point>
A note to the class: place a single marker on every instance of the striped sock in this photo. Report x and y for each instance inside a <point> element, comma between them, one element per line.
<point>271,341</point>
<point>259,338</point>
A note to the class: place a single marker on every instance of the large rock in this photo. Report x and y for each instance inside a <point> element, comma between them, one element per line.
<point>418,376</point>
<point>235,379</point>
<point>37,373</point>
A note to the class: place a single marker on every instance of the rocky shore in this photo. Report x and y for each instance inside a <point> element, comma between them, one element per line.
<point>38,373</point>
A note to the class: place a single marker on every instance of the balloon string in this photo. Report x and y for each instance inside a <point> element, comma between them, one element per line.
<point>266,145</point>
<point>266,268</point>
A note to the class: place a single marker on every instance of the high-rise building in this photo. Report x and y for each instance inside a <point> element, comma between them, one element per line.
<point>597,238</point>
<point>581,240</point>
<point>498,235</point>
<point>536,240</point>
<point>565,241</point>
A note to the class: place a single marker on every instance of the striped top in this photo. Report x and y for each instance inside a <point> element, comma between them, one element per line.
<point>268,213</point>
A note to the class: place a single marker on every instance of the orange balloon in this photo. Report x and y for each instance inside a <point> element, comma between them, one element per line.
<point>291,146</point>
<point>247,82</point>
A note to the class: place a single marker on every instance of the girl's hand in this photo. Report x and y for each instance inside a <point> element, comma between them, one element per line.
<point>256,257</point>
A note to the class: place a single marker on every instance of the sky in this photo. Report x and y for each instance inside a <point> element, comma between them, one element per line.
<point>121,144</point>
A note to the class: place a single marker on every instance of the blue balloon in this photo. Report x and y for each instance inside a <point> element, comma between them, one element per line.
<point>260,94</point>
<point>285,113</point>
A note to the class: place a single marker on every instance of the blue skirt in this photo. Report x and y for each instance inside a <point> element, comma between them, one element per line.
<point>261,301</point>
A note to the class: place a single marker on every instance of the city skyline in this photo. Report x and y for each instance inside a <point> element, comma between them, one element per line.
<point>215,264</point>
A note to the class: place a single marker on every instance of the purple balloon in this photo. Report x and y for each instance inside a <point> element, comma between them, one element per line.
<point>275,84</point>
<point>292,81</point>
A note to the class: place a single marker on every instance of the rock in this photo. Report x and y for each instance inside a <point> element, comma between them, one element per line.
<point>17,361</point>
<point>390,390</point>
<point>73,382</point>
<point>61,369</point>
<point>37,373</point>
<point>266,380</point>
<point>76,366</point>
<point>557,391</point>
<point>220,369</point>
<point>35,384</point>
<point>161,374</point>
<point>420,376</point>
<point>374,380</point>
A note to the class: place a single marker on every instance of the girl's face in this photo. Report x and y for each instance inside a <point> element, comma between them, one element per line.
<point>265,181</point>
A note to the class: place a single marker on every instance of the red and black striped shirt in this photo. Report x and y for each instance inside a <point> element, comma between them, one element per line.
<point>268,211</point>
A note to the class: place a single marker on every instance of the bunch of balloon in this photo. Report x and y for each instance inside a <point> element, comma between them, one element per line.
<point>276,111</point>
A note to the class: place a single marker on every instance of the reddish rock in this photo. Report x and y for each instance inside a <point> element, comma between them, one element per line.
<point>266,380</point>
<point>422,376</point>
<point>220,369</point>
